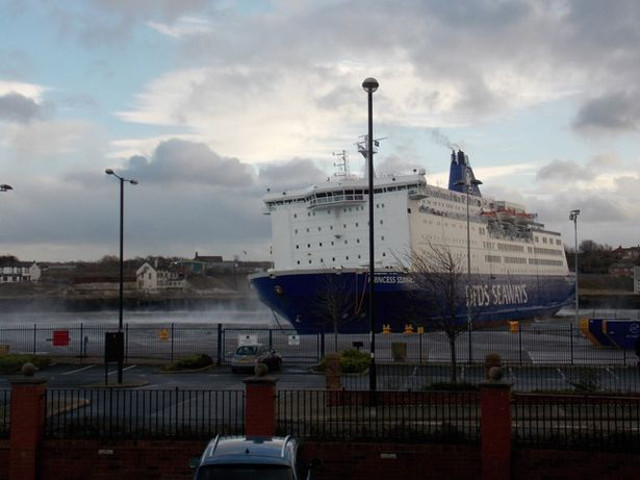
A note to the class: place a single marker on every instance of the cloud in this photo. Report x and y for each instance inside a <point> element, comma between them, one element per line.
<point>42,140</point>
<point>180,161</point>
<point>182,27</point>
<point>15,107</point>
<point>296,173</point>
<point>616,112</point>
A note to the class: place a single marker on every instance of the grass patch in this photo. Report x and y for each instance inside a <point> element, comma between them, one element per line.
<point>10,364</point>
<point>190,362</point>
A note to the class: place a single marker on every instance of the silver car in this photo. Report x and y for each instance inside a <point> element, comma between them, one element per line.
<point>246,357</point>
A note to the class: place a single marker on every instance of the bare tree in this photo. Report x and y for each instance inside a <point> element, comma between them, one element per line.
<point>439,285</point>
<point>334,303</point>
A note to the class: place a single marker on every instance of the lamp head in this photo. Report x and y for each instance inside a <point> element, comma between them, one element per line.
<point>4,187</point>
<point>370,85</point>
<point>133,182</point>
<point>108,171</point>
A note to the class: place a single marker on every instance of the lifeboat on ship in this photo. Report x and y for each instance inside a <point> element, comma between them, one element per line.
<point>507,215</point>
<point>524,218</point>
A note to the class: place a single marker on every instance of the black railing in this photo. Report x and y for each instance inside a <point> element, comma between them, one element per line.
<point>523,378</point>
<point>439,417</point>
<point>5,400</point>
<point>530,344</point>
<point>577,422</point>
<point>93,413</point>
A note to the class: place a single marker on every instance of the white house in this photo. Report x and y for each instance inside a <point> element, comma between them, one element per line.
<point>20,272</point>
<point>153,279</point>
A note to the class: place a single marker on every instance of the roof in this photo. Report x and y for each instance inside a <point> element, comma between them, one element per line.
<point>263,450</point>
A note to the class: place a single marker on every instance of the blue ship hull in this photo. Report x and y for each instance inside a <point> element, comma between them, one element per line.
<point>311,300</point>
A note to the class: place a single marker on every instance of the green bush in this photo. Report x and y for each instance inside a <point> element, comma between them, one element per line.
<point>10,364</point>
<point>354,361</point>
<point>351,361</point>
<point>191,362</point>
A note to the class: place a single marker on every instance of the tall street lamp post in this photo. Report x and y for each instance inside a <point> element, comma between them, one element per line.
<point>108,171</point>
<point>573,216</point>
<point>370,85</point>
<point>467,182</point>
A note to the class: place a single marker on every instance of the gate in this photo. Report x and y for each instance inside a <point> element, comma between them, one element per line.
<point>292,346</point>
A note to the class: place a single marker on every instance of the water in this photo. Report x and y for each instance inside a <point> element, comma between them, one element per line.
<point>261,317</point>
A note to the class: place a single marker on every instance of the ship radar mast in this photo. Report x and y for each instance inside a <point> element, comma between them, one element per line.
<point>362,147</point>
<point>342,166</point>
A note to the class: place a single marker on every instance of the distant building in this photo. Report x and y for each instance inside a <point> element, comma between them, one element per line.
<point>631,253</point>
<point>152,279</point>
<point>20,272</point>
<point>621,269</point>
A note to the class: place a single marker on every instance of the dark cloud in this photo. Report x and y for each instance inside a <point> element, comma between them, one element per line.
<point>296,173</point>
<point>616,112</point>
<point>564,171</point>
<point>180,161</point>
<point>15,107</point>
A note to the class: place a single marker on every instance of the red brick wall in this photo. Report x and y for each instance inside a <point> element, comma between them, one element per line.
<point>4,459</point>
<point>569,465</point>
<point>373,461</point>
<point>120,460</point>
<point>168,460</point>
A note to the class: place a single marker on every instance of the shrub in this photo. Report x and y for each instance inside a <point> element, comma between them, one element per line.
<point>10,364</point>
<point>351,361</point>
<point>354,361</point>
<point>191,362</point>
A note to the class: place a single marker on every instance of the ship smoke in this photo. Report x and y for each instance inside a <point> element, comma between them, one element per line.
<point>440,138</point>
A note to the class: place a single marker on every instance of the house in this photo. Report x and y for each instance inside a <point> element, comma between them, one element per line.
<point>17,272</point>
<point>153,278</point>
<point>621,269</point>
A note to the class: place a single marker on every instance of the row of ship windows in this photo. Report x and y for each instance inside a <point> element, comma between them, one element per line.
<point>505,247</point>
<point>344,225</point>
<point>344,210</point>
<point>516,260</point>
<point>333,259</point>
<point>551,241</point>
<point>346,242</point>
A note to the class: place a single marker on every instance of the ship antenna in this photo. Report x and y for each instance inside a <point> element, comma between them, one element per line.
<point>362,146</point>
<point>342,167</point>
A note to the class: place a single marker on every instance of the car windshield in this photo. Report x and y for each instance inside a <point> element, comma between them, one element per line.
<point>245,472</point>
<point>247,350</point>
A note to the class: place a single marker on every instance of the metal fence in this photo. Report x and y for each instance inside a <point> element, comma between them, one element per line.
<point>5,400</point>
<point>121,413</point>
<point>440,417</point>
<point>577,422</point>
<point>523,378</point>
<point>531,344</point>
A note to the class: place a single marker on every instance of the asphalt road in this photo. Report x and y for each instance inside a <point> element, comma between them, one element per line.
<point>152,377</point>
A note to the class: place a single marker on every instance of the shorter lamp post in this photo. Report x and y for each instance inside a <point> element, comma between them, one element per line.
<point>467,182</point>
<point>370,85</point>
<point>108,171</point>
<point>573,216</point>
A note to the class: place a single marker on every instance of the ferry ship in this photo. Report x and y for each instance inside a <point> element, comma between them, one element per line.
<point>320,249</point>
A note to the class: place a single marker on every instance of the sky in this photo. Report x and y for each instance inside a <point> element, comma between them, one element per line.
<point>207,103</point>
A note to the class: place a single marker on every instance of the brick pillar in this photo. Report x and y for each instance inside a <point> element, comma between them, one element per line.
<point>495,429</point>
<point>28,413</point>
<point>260,406</point>
<point>333,372</point>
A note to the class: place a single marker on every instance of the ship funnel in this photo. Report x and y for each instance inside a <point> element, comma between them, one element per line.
<point>461,174</point>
